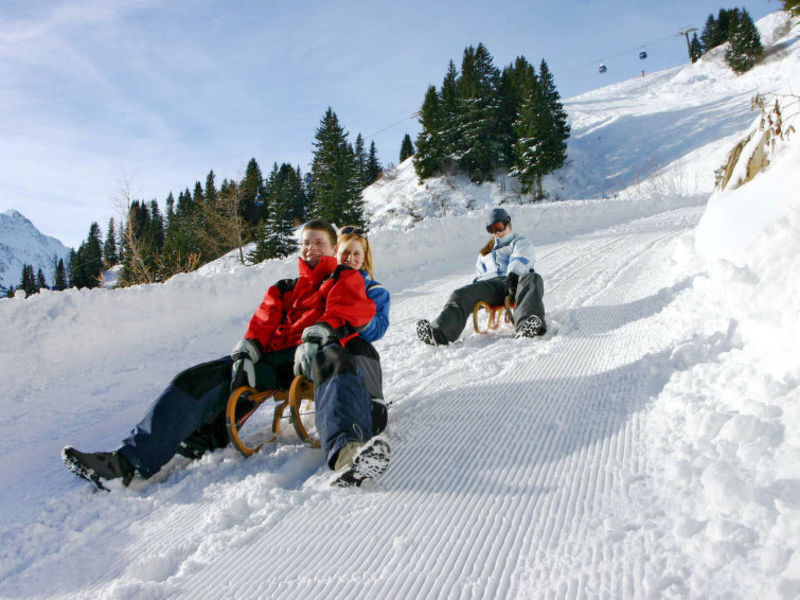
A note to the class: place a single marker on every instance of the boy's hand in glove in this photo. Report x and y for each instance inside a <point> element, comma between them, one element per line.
<point>314,337</point>
<point>245,354</point>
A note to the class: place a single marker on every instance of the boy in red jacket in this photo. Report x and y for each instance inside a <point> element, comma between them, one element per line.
<point>308,326</point>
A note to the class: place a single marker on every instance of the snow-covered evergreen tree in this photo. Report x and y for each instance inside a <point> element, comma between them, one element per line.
<point>745,42</point>
<point>430,153</point>
<point>336,180</point>
<point>542,131</point>
<point>479,105</point>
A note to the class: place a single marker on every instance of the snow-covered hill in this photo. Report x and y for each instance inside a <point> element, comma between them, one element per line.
<point>22,244</point>
<point>648,446</point>
<point>662,134</point>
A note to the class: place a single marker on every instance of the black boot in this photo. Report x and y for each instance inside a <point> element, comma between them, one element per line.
<point>429,335</point>
<point>533,326</point>
<point>97,467</point>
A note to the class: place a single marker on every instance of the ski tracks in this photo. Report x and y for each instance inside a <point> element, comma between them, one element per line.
<point>535,449</point>
<point>518,466</point>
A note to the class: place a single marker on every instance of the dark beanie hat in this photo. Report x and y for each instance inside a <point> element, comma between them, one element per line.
<point>497,215</point>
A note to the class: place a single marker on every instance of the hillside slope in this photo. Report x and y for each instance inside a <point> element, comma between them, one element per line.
<point>659,135</point>
<point>647,446</point>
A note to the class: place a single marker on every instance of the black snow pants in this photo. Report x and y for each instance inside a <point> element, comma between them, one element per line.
<point>188,417</point>
<point>458,308</point>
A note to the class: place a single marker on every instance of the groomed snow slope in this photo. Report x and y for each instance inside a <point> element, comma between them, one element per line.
<point>647,446</point>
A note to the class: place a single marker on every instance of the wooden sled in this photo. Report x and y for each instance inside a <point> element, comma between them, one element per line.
<point>486,318</point>
<point>299,398</point>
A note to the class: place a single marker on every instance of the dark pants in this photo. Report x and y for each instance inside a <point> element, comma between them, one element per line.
<point>458,308</point>
<point>348,394</point>
<point>189,415</point>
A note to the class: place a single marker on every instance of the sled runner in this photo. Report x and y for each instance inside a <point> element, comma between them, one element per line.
<point>245,401</point>
<point>487,318</point>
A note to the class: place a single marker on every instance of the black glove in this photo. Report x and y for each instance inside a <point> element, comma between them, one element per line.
<point>511,286</point>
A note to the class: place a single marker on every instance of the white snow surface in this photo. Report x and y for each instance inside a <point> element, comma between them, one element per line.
<point>647,447</point>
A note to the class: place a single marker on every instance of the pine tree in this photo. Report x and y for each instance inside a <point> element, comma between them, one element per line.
<point>725,20</point>
<point>709,35</point>
<point>559,129</point>
<point>28,281</point>
<point>110,256</point>
<point>515,81</point>
<point>275,237</point>
<point>479,107</point>
<point>210,189</point>
<point>374,167</point>
<point>542,131</point>
<point>72,269</point>
<point>361,161</point>
<point>430,155</point>
<point>41,284</point>
<point>60,279</point>
<point>253,194</point>
<point>140,262</point>
<point>745,43</point>
<point>87,265</point>
<point>531,131</point>
<point>695,49</point>
<point>406,148</point>
<point>448,135</point>
<point>336,181</point>
<point>155,231</point>
<point>181,239</point>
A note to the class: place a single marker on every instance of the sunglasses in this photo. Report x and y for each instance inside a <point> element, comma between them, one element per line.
<point>496,228</point>
<point>356,230</point>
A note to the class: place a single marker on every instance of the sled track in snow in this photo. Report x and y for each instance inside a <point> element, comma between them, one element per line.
<point>517,469</point>
<point>555,442</point>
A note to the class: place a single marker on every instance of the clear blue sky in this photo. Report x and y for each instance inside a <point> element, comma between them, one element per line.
<point>157,93</point>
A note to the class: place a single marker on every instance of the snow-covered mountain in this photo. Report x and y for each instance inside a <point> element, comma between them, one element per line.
<point>22,244</point>
<point>647,447</point>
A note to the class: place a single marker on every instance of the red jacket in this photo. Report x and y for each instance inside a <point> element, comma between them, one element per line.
<point>336,296</point>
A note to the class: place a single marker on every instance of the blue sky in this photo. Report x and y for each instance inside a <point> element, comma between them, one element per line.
<point>96,93</point>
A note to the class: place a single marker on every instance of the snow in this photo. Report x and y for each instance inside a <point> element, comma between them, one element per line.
<point>22,244</point>
<point>648,446</point>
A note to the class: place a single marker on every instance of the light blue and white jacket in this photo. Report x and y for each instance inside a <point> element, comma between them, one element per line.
<point>511,254</point>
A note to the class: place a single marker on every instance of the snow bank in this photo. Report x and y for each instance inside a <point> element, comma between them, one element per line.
<point>727,428</point>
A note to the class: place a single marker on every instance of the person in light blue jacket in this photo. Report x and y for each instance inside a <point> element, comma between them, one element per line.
<point>505,267</point>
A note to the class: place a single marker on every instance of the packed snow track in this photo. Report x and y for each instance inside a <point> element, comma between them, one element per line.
<point>519,466</point>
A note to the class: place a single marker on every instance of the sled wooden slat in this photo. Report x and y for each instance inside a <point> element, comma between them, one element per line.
<point>495,315</point>
<point>299,398</point>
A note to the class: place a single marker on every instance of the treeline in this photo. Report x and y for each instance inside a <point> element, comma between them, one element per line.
<point>483,119</point>
<point>155,242</point>
<point>734,26</point>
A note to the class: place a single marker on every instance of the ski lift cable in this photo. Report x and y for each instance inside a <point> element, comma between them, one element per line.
<point>374,133</point>
<point>416,113</point>
<point>623,52</point>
